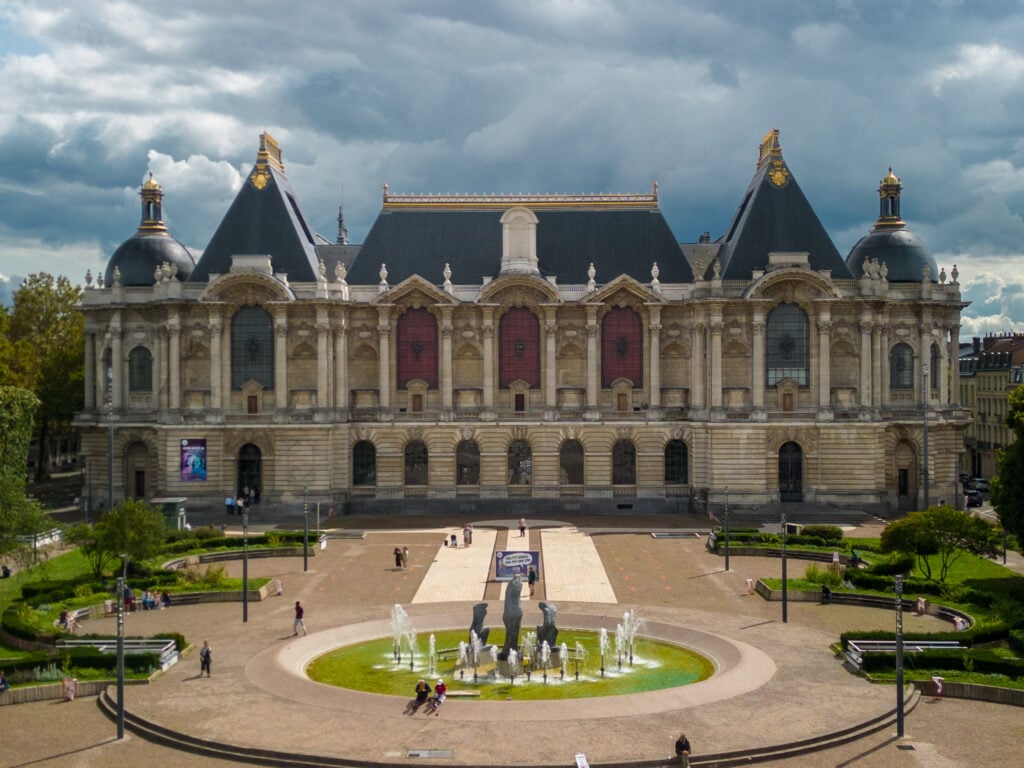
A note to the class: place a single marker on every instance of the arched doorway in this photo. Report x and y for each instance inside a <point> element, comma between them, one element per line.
<point>905,472</point>
<point>791,472</point>
<point>250,468</point>
<point>136,462</point>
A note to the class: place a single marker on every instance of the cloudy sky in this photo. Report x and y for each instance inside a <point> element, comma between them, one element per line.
<point>515,96</point>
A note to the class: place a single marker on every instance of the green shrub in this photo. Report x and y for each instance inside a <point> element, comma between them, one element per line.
<point>894,564</point>
<point>831,534</point>
<point>957,660</point>
<point>831,574</point>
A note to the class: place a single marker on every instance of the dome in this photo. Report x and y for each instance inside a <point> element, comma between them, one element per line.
<point>138,258</point>
<point>904,253</point>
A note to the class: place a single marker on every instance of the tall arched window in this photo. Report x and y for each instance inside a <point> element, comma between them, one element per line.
<point>252,348</point>
<point>519,347</point>
<point>415,463</point>
<point>901,367</point>
<point>570,463</point>
<point>140,370</point>
<point>787,345</point>
<point>677,469</point>
<point>624,463</point>
<point>364,463</point>
<point>467,463</point>
<point>622,347</point>
<point>520,463</point>
<point>933,372</point>
<point>416,335</point>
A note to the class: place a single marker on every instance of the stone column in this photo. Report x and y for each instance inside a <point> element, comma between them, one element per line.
<point>101,369</point>
<point>116,362</point>
<point>90,371</point>
<point>487,332</point>
<point>216,352</point>
<point>824,359</point>
<point>160,377</point>
<point>925,345</point>
<point>716,358</point>
<point>654,378</point>
<point>384,359</point>
<point>698,374</point>
<point>866,366</point>
<point>341,391</point>
<point>593,358</point>
<point>174,355</point>
<point>446,362</point>
<point>550,356</point>
<point>757,374</point>
<point>882,364</point>
<point>280,359</point>
<point>323,358</point>
<point>954,365</point>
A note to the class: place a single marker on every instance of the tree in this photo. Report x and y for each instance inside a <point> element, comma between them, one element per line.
<point>1007,489</point>
<point>132,528</point>
<point>942,531</point>
<point>19,515</point>
<point>47,352</point>
<point>89,540</point>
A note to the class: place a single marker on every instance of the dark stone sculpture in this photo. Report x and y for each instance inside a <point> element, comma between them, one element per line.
<point>548,631</point>
<point>512,616</point>
<point>479,614</point>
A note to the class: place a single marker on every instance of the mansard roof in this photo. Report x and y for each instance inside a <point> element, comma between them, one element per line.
<point>619,234</point>
<point>263,219</point>
<point>775,216</point>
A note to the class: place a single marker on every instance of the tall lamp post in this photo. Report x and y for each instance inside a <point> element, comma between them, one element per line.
<point>122,585</point>
<point>245,567</point>
<point>727,528</point>
<point>785,594</point>
<point>305,528</point>
<point>924,411</point>
<point>899,657</point>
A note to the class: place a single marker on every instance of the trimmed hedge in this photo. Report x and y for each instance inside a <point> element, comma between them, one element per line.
<point>23,669</point>
<point>975,660</point>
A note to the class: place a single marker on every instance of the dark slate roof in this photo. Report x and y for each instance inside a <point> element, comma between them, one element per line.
<point>138,257</point>
<point>775,216</point>
<point>264,220</point>
<point>904,253</point>
<point>618,240</point>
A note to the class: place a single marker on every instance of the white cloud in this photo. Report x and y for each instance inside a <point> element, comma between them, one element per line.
<point>993,63</point>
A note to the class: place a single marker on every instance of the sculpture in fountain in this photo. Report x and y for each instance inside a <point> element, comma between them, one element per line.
<point>479,614</point>
<point>512,616</point>
<point>548,631</point>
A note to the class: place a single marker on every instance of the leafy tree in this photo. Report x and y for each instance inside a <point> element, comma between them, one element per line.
<point>19,515</point>
<point>942,531</point>
<point>1007,491</point>
<point>90,541</point>
<point>132,528</point>
<point>47,352</point>
<point>6,352</point>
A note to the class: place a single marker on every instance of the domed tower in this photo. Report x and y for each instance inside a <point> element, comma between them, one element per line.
<point>890,242</point>
<point>139,257</point>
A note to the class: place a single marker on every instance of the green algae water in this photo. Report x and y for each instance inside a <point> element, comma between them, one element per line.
<point>371,667</point>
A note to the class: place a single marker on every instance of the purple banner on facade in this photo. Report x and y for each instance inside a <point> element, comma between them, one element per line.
<point>193,460</point>
<point>508,563</point>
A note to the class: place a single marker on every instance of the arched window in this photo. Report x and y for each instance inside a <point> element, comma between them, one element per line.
<point>364,463</point>
<point>140,370</point>
<point>467,463</point>
<point>787,345</point>
<point>417,347</point>
<point>901,367</point>
<point>933,372</point>
<point>250,468</point>
<point>415,463</point>
<point>252,348</point>
<point>570,463</point>
<point>519,347</point>
<point>520,463</point>
<point>622,347</point>
<point>677,469</point>
<point>791,472</point>
<point>624,463</point>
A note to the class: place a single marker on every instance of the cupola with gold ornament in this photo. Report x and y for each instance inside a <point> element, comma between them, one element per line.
<point>152,208</point>
<point>889,201</point>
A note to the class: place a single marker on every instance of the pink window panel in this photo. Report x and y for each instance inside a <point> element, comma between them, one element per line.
<point>519,340</point>
<point>417,348</point>
<point>622,351</point>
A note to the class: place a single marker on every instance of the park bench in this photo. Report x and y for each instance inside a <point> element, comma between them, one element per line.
<point>167,650</point>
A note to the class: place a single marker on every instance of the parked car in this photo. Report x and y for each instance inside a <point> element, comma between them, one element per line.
<point>973,498</point>
<point>980,484</point>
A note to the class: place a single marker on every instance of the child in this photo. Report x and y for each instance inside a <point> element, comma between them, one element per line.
<point>440,693</point>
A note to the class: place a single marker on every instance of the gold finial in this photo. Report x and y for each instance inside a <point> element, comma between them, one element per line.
<point>891,180</point>
<point>269,152</point>
<point>770,147</point>
<point>151,183</point>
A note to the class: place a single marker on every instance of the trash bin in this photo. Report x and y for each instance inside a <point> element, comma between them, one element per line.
<point>922,605</point>
<point>937,686</point>
<point>69,688</point>
<point>108,607</point>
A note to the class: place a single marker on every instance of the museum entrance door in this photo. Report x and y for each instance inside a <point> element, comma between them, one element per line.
<point>791,473</point>
<point>250,466</point>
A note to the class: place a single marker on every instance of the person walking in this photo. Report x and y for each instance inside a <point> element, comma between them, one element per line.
<point>398,558</point>
<point>405,558</point>
<point>683,750</point>
<point>229,504</point>
<point>299,621</point>
<point>522,527</point>
<point>531,579</point>
<point>205,657</point>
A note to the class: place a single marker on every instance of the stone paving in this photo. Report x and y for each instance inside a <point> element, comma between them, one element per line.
<point>782,684</point>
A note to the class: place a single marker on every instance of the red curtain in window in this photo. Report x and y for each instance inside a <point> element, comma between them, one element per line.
<point>622,349</point>
<point>417,348</point>
<point>519,345</point>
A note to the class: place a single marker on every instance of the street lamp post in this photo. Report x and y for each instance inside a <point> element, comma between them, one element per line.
<point>305,529</point>
<point>899,656</point>
<point>924,412</point>
<point>785,594</point>
<point>122,585</point>
<point>245,567</point>
<point>727,528</point>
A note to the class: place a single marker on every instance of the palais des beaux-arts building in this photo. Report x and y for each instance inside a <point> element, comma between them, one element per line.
<point>547,351</point>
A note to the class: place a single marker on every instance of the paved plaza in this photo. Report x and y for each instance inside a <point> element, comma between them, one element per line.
<point>777,683</point>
